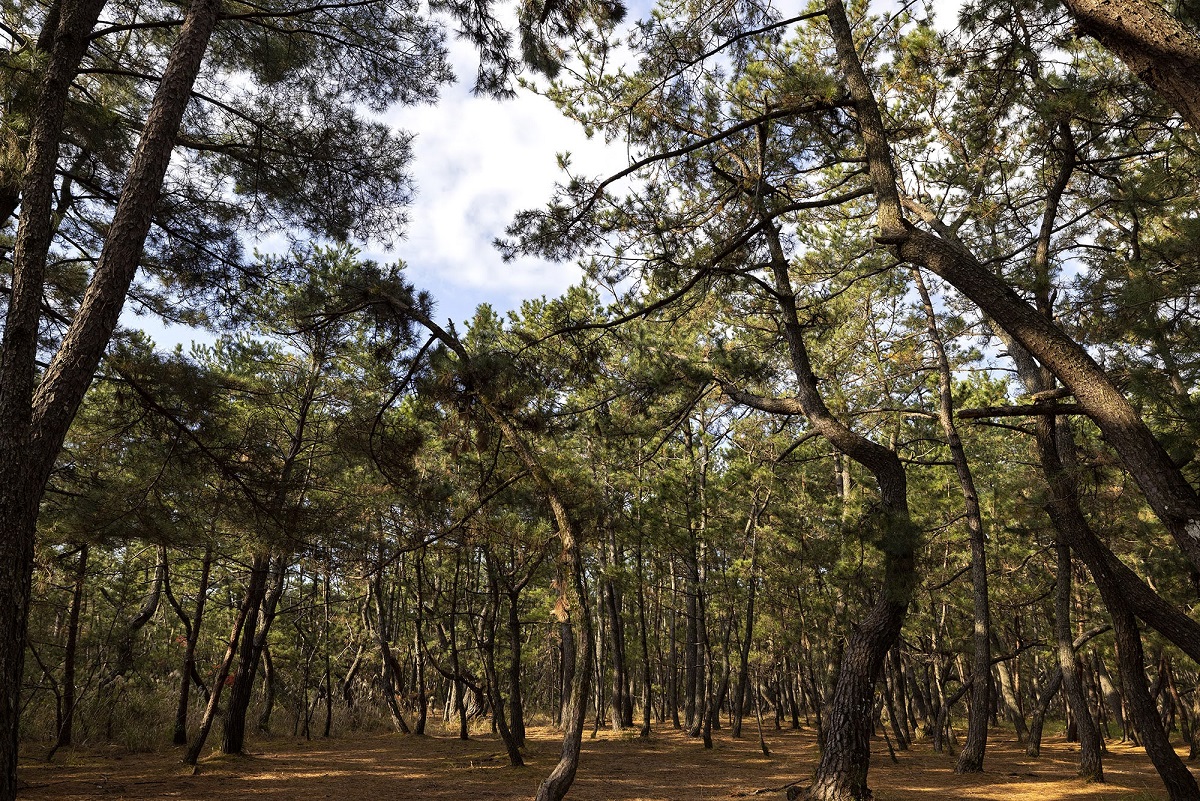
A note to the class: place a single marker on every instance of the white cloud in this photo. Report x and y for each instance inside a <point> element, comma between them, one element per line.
<point>477,163</point>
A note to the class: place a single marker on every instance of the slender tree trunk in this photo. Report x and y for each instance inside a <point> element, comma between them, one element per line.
<point>647,703</point>
<point>258,578</point>
<point>1091,747</point>
<point>673,655</point>
<point>268,708</point>
<point>66,727</point>
<point>511,746</point>
<point>189,654</point>
<point>124,659</point>
<point>516,700</point>
<point>743,679</point>
<point>970,759</point>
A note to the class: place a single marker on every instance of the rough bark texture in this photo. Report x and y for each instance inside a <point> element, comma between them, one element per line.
<point>1180,784</point>
<point>1152,43</point>
<point>842,772</point>
<point>33,422</point>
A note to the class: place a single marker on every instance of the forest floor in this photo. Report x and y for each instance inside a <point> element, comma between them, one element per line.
<point>615,767</point>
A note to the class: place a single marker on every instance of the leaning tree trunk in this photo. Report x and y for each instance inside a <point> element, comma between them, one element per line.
<point>571,611</point>
<point>34,422</point>
<point>1156,47</point>
<point>254,590</point>
<point>1180,784</point>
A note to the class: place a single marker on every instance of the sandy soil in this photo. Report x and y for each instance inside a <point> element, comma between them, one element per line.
<point>667,767</point>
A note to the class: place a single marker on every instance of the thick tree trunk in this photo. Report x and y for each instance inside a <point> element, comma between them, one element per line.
<point>1155,46</point>
<point>33,423</point>
<point>1169,494</point>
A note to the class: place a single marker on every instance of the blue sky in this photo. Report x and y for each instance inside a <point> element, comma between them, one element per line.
<point>477,162</point>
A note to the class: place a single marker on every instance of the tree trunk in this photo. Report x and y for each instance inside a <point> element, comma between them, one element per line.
<point>970,759</point>
<point>264,719</point>
<point>743,678</point>
<point>242,684</point>
<point>1091,747</point>
<point>189,654</point>
<point>511,746</point>
<point>516,699</point>
<point>124,659</point>
<point>258,580</point>
<point>842,772</point>
<point>33,423</point>
<point>1180,784</point>
<point>66,727</point>
<point>647,701</point>
<point>1155,46</point>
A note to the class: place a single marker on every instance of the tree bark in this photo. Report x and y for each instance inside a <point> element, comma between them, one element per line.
<point>66,727</point>
<point>1155,46</point>
<point>1168,492</point>
<point>842,772</point>
<point>743,678</point>
<point>1091,747</point>
<point>189,653</point>
<point>970,759</point>
<point>231,649</point>
<point>1180,784</point>
<point>254,639</point>
<point>33,423</point>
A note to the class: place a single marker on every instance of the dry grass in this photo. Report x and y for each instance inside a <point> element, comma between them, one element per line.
<point>666,767</point>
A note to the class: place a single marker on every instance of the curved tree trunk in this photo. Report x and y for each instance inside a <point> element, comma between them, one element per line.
<point>970,759</point>
<point>189,655</point>
<point>845,758</point>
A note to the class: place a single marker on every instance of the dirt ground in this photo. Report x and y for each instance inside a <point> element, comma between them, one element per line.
<point>615,767</point>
